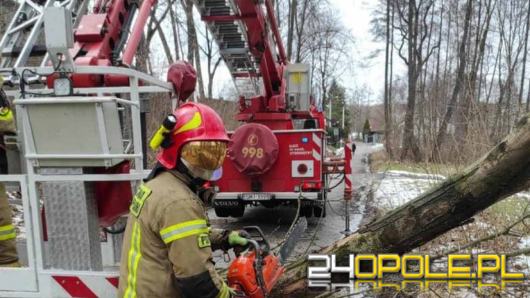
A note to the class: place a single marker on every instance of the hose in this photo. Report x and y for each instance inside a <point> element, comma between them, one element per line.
<point>338,183</point>
<point>293,223</point>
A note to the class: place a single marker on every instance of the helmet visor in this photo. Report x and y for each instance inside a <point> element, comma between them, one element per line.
<point>207,155</point>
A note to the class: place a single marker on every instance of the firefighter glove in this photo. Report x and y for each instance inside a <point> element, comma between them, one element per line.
<point>238,238</point>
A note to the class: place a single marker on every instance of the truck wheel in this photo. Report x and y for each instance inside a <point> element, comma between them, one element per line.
<point>319,211</point>
<point>237,211</point>
<point>222,211</point>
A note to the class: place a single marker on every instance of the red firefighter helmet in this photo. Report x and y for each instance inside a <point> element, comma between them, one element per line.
<point>195,122</point>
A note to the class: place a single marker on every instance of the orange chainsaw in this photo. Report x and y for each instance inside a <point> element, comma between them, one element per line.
<point>255,272</point>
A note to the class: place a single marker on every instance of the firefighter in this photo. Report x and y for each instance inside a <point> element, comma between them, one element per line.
<point>168,243</point>
<point>8,249</point>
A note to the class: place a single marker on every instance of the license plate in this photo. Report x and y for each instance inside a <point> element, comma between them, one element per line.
<point>257,196</point>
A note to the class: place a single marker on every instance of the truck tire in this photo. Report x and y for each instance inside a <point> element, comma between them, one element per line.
<point>319,209</point>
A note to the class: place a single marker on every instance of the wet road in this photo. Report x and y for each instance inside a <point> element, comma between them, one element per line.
<point>320,232</point>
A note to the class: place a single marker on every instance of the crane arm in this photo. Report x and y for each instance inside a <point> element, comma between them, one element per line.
<point>250,44</point>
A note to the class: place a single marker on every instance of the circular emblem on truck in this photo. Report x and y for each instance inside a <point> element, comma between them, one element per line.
<point>253,149</point>
<point>252,140</point>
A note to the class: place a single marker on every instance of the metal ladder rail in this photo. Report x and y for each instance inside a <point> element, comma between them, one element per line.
<point>251,84</point>
<point>80,8</point>
<point>28,17</point>
<point>230,36</point>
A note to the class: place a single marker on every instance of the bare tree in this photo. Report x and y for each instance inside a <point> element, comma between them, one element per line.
<point>414,30</point>
<point>510,33</point>
<point>328,47</point>
<point>442,132</point>
<point>301,19</point>
<point>470,85</point>
<point>212,62</point>
<point>387,100</point>
<point>174,29</point>
<point>525,54</point>
<point>193,45</point>
<point>293,6</point>
<point>528,98</point>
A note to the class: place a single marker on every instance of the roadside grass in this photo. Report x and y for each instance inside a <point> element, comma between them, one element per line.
<point>511,207</point>
<point>506,210</point>
<point>379,162</point>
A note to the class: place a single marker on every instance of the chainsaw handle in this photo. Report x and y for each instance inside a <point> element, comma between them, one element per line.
<point>256,235</point>
<point>255,245</point>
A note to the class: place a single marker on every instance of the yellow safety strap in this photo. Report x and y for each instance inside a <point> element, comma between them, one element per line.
<point>184,229</point>
<point>225,292</point>
<point>6,114</point>
<point>7,232</point>
<point>133,261</point>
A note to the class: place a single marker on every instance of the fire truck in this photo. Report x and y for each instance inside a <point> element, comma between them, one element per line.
<point>277,156</point>
<point>79,151</point>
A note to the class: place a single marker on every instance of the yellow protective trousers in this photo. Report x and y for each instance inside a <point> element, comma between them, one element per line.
<point>8,248</point>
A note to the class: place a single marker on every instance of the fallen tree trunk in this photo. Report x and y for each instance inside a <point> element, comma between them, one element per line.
<point>503,171</point>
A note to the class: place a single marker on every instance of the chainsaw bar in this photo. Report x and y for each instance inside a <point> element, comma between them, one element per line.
<point>292,238</point>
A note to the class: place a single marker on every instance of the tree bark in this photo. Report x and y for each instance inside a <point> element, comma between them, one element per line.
<point>188,9</point>
<point>388,121</point>
<point>293,5</point>
<point>174,30</point>
<point>300,30</point>
<point>502,172</point>
<point>193,45</point>
<point>470,88</point>
<point>528,98</point>
<point>409,140</point>
<point>198,67</point>
<point>525,54</point>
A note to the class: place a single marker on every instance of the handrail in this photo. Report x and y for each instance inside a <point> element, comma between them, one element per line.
<point>97,70</point>
<point>59,100</point>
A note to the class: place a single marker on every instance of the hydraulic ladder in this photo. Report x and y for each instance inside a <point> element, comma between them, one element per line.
<point>231,37</point>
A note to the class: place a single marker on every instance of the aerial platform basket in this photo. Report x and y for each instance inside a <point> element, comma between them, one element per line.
<point>73,131</point>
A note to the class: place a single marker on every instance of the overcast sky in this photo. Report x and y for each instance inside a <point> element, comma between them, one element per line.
<point>354,15</point>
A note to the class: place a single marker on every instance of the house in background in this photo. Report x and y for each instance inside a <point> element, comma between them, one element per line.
<point>373,131</point>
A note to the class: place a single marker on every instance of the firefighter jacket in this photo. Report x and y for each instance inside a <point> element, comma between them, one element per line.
<point>8,250</point>
<point>168,243</point>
